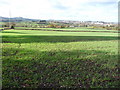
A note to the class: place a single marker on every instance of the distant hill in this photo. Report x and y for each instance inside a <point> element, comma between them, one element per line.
<point>16,19</point>
<point>21,19</point>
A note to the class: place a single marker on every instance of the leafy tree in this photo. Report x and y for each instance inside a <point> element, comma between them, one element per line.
<point>12,27</point>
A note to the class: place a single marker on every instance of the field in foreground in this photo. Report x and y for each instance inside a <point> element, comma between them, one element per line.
<point>59,59</point>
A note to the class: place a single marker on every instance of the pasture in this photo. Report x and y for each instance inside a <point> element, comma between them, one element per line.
<point>37,59</point>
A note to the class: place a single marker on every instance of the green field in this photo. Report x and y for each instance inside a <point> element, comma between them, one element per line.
<point>70,29</point>
<point>33,58</point>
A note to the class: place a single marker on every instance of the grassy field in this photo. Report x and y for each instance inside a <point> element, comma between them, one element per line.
<point>59,59</point>
<point>70,29</point>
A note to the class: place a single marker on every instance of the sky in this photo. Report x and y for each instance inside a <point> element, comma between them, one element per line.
<point>80,10</point>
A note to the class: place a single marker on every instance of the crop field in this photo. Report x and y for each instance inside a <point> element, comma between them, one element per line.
<point>45,59</point>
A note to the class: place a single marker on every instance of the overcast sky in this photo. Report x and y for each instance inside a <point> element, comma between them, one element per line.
<point>82,10</point>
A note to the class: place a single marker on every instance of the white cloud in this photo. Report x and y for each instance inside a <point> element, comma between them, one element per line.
<point>104,10</point>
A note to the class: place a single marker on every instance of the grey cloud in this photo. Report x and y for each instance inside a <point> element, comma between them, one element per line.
<point>58,5</point>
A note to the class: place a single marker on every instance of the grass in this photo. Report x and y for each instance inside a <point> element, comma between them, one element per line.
<point>59,59</point>
<point>70,29</point>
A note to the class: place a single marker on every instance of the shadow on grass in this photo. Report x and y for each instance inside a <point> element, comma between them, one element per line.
<point>13,32</point>
<point>54,39</point>
<point>58,69</point>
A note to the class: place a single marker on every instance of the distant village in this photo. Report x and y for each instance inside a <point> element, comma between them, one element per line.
<point>25,22</point>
